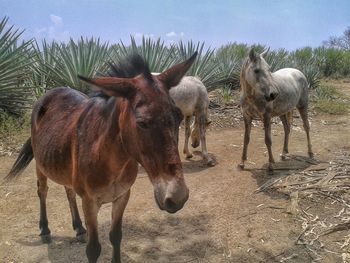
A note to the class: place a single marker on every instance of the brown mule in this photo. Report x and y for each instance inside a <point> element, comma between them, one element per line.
<point>93,146</point>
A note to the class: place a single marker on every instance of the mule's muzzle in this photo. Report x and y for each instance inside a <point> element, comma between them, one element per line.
<point>171,197</point>
<point>272,96</point>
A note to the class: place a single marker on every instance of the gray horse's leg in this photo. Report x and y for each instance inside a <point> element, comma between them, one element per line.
<point>268,141</point>
<point>187,136</point>
<point>286,127</point>
<point>202,121</point>
<point>304,117</point>
<point>247,129</point>
<point>76,221</point>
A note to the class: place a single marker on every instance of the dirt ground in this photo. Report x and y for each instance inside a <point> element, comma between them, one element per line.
<point>224,220</point>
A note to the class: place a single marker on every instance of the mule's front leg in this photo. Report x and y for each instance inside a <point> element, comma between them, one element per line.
<point>247,129</point>
<point>76,221</point>
<point>115,235</point>
<point>93,247</point>
<point>187,136</point>
<point>268,141</point>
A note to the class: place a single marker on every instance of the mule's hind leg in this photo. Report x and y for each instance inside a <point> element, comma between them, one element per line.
<point>187,136</point>
<point>76,221</point>
<point>45,232</point>
<point>93,247</point>
<point>247,129</point>
<point>304,117</point>
<point>115,235</point>
<point>286,127</point>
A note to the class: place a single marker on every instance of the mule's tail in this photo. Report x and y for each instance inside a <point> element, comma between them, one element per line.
<point>24,158</point>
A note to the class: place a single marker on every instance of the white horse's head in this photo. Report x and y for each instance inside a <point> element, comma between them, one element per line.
<point>256,72</point>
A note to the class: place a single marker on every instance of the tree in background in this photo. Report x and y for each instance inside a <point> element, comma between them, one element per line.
<point>342,42</point>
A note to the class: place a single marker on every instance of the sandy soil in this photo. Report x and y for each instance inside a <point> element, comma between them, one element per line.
<point>225,220</point>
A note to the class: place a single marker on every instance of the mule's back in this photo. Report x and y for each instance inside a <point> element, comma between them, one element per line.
<point>190,95</point>
<point>53,126</point>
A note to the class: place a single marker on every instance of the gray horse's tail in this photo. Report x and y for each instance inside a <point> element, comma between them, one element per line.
<point>24,158</point>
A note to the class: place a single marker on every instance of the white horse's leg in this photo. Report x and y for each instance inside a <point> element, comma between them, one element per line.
<point>286,127</point>
<point>202,128</point>
<point>304,117</point>
<point>247,129</point>
<point>268,141</point>
<point>187,136</point>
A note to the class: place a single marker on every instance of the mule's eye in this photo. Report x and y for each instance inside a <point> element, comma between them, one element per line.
<point>256,71</point>
<point>143,124</point>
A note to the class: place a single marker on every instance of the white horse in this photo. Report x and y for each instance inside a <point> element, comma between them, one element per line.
<point>191,96</point>
<point>265,94</point>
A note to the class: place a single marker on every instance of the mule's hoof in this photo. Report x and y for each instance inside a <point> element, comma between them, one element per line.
<point>211,163</point>
<point>82,238</point>
<point>46,239</point>
<point>311,154</point>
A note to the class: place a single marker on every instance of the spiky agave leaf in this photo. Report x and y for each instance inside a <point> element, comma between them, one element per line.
<point>14,65</point>
<point>43,60</point>
<point>157,55</point>
<point>86,57</point>
<point>205,66</point>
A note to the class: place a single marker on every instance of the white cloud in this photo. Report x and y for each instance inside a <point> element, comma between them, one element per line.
<point>171,34</point>
<point>140,35</point>
<point>174,34</point>
<point>56,20</point>
<point>54,31</point>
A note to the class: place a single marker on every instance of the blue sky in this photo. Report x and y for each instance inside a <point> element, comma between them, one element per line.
<point>286,24</point>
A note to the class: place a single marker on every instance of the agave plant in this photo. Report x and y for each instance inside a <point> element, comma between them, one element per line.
<point>43,60</point>
<point>14,70</point>
<point>205,66</point>
<point>305,60</point>
<point>158,56</point>
<point>86,57</point>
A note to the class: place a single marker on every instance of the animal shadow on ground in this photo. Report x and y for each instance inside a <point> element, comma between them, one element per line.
<point>165,238</point>
<point>293,164</point>
<point>195,164</point>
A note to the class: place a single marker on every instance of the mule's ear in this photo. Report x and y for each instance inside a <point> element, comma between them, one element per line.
<point>117,87</point>
<point>265,52</point>
<point>252,55</point>
<point>173,76</point>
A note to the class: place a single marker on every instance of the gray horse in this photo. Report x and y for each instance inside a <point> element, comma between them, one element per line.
<point>265,94</point>
<point>191,96</point>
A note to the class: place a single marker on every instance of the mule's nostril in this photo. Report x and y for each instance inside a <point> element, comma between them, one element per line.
<point>170,205</point>
<point>273,95</point>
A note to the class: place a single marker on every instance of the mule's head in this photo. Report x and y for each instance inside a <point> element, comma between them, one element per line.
<point>257,74</point>
<point>149,125</point>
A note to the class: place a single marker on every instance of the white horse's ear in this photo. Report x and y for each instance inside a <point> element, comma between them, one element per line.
<point>264,53</point>
<point>253,55</point>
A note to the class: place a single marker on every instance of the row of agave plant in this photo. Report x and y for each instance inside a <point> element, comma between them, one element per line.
<point>28,69</point>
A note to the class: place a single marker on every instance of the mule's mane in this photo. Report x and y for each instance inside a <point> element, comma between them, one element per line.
<point>128,67</point>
